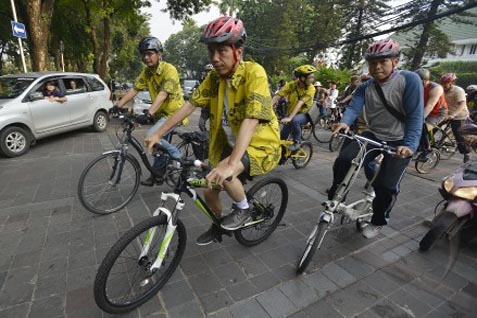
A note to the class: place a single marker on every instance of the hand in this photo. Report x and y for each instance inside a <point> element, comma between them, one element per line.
<point>114,109</point>
<point>151,141</point>
<point>143,119</point>
<point>220,173</point>
<point>403,152</point>
<point>286,120</point>
<point>336,128</point>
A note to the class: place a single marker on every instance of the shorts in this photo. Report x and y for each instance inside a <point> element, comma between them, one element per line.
<point>245,175</point>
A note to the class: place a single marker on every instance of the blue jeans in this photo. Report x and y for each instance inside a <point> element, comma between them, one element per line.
<point>294,127</point>
<point>161,161</point>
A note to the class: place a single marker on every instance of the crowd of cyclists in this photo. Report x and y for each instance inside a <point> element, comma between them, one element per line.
<point>387,104</point>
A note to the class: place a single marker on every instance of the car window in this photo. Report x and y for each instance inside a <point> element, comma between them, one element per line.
<point>95,84</point>
<point>74,86</point>
<point>11,87</point>
<point>42,87</point>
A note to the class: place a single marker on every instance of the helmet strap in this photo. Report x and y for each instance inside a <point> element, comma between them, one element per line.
<point>236,61</point>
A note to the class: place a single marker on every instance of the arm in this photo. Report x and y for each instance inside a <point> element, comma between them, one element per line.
<point>297,108</point>
<point>158,101</point>
<point>355,106</point>
<point>126,98</point>
<point>413,104</point>
<point>460,107</point>
<point>434,96</point>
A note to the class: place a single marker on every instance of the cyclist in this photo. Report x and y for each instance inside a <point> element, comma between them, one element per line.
<point>244,134</point>
<point>162,81</point>
<point>300,94</point>
<point>471,91</point>
<point>332,99</point>
<point>320,96</point>
<point>403,95</point>
<point>457,110</point>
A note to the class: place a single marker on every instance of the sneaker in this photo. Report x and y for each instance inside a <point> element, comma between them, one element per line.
<point>294,147</point>
<point>149,182</point>
<point>208,236</point>
<point>466,158</point>
<point>423,157</point>
<point>371,230</point>
<point>236,219</point>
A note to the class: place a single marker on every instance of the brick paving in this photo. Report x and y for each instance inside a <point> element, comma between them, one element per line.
<point>51,247</point>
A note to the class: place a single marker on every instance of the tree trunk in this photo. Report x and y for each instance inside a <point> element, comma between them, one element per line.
<point>39,13</point>
<point>94,36</point>
<point>103,66</point>
<point>421,48</point>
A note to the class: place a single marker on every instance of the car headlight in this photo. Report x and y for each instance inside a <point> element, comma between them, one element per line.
<point>468,193</point>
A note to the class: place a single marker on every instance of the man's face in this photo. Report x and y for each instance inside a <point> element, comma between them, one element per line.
<point>151,58</point>
<point>381,68</point>
<point>222,58</point>
<point>447,86</point>
<point>309,80</point>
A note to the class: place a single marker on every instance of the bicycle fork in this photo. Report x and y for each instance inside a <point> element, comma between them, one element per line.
<point>169,232</point>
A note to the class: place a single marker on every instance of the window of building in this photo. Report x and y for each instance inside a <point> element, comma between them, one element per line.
<point>463,50</point>
<point>473,49</point>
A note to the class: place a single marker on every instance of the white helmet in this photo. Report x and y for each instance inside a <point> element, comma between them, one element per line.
<point>317,83</point>
<point>471,88</point>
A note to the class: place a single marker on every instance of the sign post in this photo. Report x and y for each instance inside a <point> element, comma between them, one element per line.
<point>18,30</point>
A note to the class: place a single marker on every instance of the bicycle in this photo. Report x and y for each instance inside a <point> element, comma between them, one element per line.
<point>155,246</point>
<point>442,139</point>
<point>299,157</point>
<point>110,181</point>
<point>359,211</point>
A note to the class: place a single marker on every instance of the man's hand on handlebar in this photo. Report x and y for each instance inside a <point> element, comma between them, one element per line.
<point>151,141</point>
<point>403,152</point>
<point>340,128</point>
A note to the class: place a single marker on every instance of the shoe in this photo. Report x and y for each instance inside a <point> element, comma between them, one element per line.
<point>208,236</point>
<point>423,157</point>
<point>371,230</point>
<point>151,181</point>
<point>236,219</point>
<point>294,147</point>
<point>466,158</point>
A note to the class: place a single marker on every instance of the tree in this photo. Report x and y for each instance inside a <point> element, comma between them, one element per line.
<point>228,7</point>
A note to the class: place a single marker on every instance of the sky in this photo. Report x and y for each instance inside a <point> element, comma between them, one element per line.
<point>163,27</point>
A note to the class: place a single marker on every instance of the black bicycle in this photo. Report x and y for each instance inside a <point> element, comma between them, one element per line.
<point>110,181</point>
<point>146,256</point>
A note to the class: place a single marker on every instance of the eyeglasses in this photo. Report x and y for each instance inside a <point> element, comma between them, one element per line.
<point>147,54</point>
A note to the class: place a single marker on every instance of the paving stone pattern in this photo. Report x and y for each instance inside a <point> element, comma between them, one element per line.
<point>51,247</point>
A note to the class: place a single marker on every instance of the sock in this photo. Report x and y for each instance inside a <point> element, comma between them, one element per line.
<point>242,204</point>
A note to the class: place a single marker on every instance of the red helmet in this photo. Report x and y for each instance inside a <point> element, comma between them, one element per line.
<point>224,30</point>
<point>382,49</point>
<point>447,78</point>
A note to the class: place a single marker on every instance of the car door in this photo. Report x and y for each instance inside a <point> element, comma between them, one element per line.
<point>48,116</point>
<point>79,100</point>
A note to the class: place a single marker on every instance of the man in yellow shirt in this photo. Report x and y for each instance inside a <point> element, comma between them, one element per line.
<point>299,93</point>
<point>244,133</point>
<point>162,81</point>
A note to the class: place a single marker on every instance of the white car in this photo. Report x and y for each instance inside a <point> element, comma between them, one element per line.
<point>141,102</point>
<point>188,87</point>
<point>26,115</point>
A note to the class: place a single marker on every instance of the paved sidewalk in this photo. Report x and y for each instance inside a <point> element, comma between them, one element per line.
<point>51,247</point>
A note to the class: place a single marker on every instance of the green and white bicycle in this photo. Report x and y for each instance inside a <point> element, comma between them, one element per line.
<point>145,257</point>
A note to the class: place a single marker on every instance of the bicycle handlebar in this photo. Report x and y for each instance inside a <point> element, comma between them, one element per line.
<point>381,145</point>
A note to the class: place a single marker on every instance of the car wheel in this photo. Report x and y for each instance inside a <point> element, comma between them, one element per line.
<point>14,141</point>
<point>100,121</point>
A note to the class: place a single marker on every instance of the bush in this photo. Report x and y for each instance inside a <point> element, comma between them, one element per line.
<point>466,72</point>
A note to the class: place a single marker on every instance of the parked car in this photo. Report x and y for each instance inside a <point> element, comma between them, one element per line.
<point>142,101</point>
<point>26,116</point>
<point>188,87</point>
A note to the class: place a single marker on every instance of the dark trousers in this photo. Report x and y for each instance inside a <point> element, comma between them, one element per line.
<point>455,125</point>
<point>386,184</point>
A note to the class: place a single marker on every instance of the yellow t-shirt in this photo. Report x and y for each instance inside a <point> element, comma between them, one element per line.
<point>248,97</point>
<point>294,94</point>
<point>163,78</point>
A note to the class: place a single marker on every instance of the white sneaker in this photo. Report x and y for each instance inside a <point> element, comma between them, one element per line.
<point>371,231</point>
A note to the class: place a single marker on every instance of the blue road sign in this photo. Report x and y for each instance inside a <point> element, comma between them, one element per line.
<point>19,30</point>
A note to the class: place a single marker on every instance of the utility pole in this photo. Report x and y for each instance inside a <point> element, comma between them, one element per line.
<point>19,39</point>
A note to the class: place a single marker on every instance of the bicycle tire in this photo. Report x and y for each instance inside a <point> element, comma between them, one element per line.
<point>104,193</point>
<point>186,150</point>
<point>445,221</point>
<point>321,134</point>
<point>259,199</point>
<point>105,298</point>
<point>312,245</point>
<point>444,143</point>
<point>306,149</point>
<point>335,143</point>
<point>424,167</point>
<point>306,131</point>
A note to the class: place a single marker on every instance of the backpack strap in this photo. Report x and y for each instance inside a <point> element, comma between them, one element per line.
<point>395,113</point>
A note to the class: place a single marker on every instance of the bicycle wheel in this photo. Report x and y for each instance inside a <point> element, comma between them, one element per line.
<point>306,131</point>
<point>446,145</point>
<point>108,183</point>
<point>444,222</point>
<point>313,243</point>
<point>335,143</point>
<point>268,200</point>
<point>302,156</point>
<point>322,133</point>
<point>124,281</point>
<point>424,164</point>
<point>186,150</point>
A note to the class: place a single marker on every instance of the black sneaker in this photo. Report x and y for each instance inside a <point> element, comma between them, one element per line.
<point>149,182</point>
<point>236,219</point>
<point>208,236</point>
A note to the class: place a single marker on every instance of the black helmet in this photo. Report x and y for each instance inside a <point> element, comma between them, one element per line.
<point>150,43</point>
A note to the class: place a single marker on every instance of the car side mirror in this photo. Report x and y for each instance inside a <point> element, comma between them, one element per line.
<point>35,96</point>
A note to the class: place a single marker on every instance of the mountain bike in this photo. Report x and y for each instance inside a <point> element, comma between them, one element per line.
<point>146,256</point>
<point>359,211</point>
<point>442,138</point>
<point>110,181</point>
<point>299,157</point>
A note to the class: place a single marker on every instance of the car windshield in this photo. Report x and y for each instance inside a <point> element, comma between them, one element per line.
<point>11,87</point>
